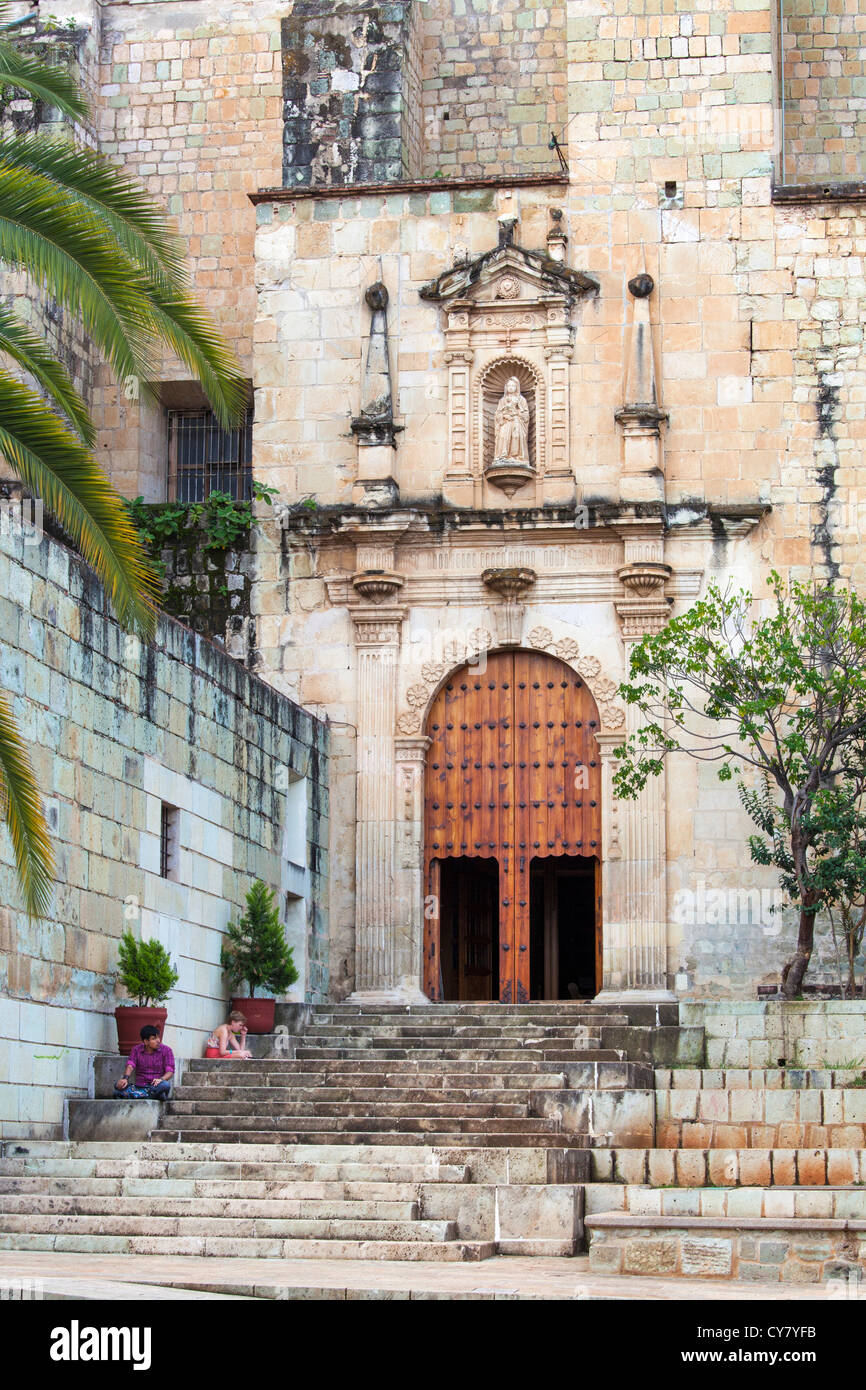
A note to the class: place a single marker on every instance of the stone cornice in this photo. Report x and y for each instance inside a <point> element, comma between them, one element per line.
<point>361,190</point>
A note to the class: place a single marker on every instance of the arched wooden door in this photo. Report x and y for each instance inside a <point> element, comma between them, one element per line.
<point>513,774</point>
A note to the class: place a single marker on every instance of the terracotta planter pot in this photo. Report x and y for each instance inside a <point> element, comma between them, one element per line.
<point>131,1018</point>
<point>259,1014</point>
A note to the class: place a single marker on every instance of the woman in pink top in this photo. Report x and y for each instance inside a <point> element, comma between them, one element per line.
<point>228,1039</point>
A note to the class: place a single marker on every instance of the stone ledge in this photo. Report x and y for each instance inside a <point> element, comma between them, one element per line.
<point>360,190</point>
<point>633,1220</point>
<point>819,193</point>
<point>101,1121</point>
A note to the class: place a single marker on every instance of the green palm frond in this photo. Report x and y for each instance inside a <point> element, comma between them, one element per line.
<point>21,808</point>
<point>75,259</point>
<point>55,466</point>
<point>27,349</point>
<point>94,258</point>
<point>138,222</point>
<point>45,82</point>
<point>183,326</point>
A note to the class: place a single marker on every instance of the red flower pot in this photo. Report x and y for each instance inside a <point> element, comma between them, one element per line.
<point>131,1018</point>
<point>259,1014</point>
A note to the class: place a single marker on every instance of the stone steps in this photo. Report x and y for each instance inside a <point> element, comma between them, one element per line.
<point>271,1207</point>
<point>729,1167</point>
<point>516,1095</point>
<point>342,1161</point>
<point>348,1107</point>
<point>188,1133</point>
<point>471,1032</point>
<point>261,1248</point>
<point>530,1053</point>
<point>430,1073</point>
<point>427,1076</point>
<point>129,1224</point>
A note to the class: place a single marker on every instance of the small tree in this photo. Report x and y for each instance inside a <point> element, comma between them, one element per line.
<point>145,970</point>
<point>255,948</point>
<point>784,695</point>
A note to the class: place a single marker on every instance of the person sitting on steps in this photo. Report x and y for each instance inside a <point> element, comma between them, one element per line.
<point>228,1039</point>
<point>151,1063</point>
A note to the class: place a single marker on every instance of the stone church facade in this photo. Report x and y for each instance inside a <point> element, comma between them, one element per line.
<point>521,398</point>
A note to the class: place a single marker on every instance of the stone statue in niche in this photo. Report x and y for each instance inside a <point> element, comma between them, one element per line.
<point>511,426</point>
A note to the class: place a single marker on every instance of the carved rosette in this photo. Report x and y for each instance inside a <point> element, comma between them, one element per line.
<point>419,694</point>
<point>589,667</point>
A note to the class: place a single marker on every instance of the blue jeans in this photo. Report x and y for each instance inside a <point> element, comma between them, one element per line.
<point>157,1090</point>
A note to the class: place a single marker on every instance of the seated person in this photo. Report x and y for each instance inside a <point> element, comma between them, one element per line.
<point>151,1063</point>
<point>228,1039</point>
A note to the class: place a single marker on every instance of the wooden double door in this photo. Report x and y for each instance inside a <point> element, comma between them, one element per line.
<point>512,805</point>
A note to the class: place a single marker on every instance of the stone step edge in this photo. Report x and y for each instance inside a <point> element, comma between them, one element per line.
<point>630,1220</point>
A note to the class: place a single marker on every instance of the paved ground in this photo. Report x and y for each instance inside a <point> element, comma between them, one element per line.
<point>104,1277</point>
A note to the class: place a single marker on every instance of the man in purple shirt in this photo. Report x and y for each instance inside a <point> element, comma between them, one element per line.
<point>151,1063</point>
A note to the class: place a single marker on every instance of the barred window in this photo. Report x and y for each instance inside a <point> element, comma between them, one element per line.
<point>204,458</point>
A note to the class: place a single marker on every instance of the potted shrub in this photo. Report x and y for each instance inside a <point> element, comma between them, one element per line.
<point>255,951</point>
<point>146,973</point>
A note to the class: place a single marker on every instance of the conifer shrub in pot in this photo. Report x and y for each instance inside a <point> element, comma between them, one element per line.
<point>146,972</point>
<point>255,953</point>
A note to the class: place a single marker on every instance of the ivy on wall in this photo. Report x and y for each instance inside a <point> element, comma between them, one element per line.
<point>201,551</point>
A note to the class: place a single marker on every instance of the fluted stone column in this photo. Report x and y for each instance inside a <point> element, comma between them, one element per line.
<point>634,888</point>
<point>379,961</point>
<point>411,753</point>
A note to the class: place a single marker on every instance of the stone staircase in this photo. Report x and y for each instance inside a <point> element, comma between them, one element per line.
<point>455,1132</point>
<point>446,1133</point>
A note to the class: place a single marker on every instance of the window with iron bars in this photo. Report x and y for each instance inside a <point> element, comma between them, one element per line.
<point>204,458</point>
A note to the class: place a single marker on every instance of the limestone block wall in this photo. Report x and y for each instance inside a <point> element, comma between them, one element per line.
<point>190,102</point>
<point>824,46</point>
<point>115,728</point>
<point>494,85</point>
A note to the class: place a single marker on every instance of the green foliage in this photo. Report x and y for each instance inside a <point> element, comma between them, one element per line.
<point>781,699</point>
<point>255,949</point>
<point>145,970</point>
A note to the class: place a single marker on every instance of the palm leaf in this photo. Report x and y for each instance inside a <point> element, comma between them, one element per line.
<point>139,223</point>
<point>75,259</point>
<point>52,85</point>
<point>181,324</point>
<point>21,808</point>
<point>59,237</point>
<point>54,465</point>
<point>27,349</point>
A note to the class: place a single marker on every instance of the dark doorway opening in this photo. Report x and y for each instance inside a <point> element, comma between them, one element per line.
<point>563,906</point>
<point>469,927</point>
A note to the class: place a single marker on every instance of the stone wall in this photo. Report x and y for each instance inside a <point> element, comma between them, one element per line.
<point>115,728</point>
<point>347,93</point>
<point>824,91</point>
<point>494,79</point>
<point>190,102</point>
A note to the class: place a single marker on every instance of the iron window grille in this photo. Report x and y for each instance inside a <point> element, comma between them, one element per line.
<point>169,846</point>
<point>204,458</point>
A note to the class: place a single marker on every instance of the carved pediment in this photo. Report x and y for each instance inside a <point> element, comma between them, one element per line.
<point>506,273</point>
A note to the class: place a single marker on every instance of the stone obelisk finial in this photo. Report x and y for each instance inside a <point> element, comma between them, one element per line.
<point>374,427</point>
